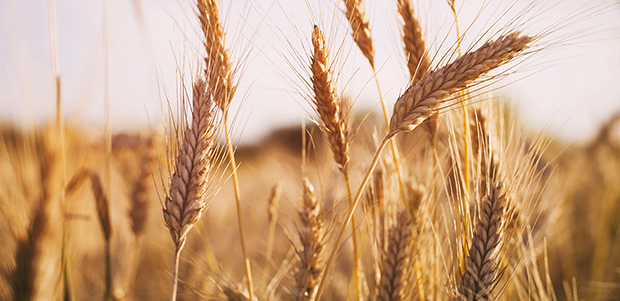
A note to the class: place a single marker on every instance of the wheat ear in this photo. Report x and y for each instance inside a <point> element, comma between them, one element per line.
<point>37,274</point>
<point>219,74</point>
<point>103,212</point>
<point>139,211</point>
<point>333,116</point>
<point>418,61</point>
<point>218,66</point>
<point>419,101</point>
<point>395,265</point>
<point>361,28</point>
<point>312,237</point>
<point>326,103</point>
<point>481,266</point>
<point>186,200</point>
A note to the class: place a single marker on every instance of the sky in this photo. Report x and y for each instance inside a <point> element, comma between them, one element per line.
<point>571,85</point>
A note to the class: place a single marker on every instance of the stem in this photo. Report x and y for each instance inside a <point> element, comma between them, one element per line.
<point>358,196</point>
<point>356,254</point>
<point>464,204</point>
<point>392,143</point>
<point>233,166</point>
<point>108,271</point>
<point>435,197</point>
<point>175,273</point>
<point>270,239</point>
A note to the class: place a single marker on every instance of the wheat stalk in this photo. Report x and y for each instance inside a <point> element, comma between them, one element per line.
<point>419,101</point>
<point>274,200</point>
<point>362,37</point>
<point>186,200</point>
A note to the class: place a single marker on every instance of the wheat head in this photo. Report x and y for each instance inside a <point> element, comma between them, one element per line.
<point>218,70</point>
<point>420,100</point>
<point>186,201</point>
<point>361,28</point>
<point>327,103</point>
<point>312,237</point>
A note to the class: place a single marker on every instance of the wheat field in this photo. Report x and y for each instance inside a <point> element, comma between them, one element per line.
<point>441,193</point>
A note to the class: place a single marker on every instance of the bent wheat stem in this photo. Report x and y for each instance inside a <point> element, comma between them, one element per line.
<point>401,183</point>
<point>354,204</point>
<point>233,167</point>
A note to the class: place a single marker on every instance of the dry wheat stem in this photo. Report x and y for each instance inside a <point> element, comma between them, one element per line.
<point>362,37</point>
<point>244,249</point>
<point>186,201</point>
<point>273,218</point>
<point>350,214</point>
<point>233,294</point>
<point>466,144</point>
<point>395,265</point>
<point>419,101</point>
<point>312,238</point>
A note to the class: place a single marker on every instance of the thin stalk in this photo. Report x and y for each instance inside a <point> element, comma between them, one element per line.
<point>435,196</point>
<point>465,205</point>
<point>175,273</point>
<point>61,136</point>
<point>392,143</point>
<point>418,280</point>
<point>108,271</point>
<point>343,229</point>
<point>233,166</point>
<point>356,251</point>
<point>270,239</point>
<point>108,143</point>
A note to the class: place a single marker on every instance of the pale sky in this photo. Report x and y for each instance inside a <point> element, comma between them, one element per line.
<point>572,87</point>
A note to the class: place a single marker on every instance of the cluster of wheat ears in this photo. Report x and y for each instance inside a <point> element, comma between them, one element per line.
<point>460,209</point>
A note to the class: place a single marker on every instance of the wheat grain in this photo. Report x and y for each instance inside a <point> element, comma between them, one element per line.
<point>419,101</point>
